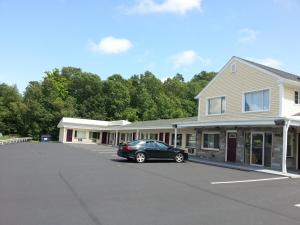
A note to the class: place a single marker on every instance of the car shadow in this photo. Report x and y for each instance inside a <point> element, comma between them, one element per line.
<point>121,160</point>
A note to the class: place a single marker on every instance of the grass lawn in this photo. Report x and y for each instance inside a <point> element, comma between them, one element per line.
<point>5,137</point>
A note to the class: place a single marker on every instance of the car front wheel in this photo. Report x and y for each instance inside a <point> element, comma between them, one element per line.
<point>179,157</point>
<point>140,157</point>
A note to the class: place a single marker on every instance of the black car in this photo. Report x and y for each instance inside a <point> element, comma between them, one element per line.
<point>141,150</point>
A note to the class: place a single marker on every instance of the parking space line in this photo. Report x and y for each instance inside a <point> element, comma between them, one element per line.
<point>249,181</point>
<point>105,152</point>
<point>297,205</point>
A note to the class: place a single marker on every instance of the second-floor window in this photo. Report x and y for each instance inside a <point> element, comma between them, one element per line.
<point>216,105</point>
<point>297,96</point>
<point>256,101</point>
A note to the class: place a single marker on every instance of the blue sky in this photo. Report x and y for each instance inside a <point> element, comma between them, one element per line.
<point>131,36</point>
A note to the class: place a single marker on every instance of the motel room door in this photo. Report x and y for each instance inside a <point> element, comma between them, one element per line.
<point>104,136</point>
<point>231,146</point>
<point>69,135</point>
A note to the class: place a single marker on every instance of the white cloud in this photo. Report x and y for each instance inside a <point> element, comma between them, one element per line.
<point>187,58</point>
<point>167,6</point>
<point>111,45</point>
<point>247,35</point>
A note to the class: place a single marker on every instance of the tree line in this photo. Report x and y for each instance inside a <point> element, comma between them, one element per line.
<point>71,92</point>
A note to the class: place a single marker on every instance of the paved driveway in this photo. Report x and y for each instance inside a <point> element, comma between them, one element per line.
<point>61,184</point>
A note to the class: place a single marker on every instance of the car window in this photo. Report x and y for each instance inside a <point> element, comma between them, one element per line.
<point>133,143</point>
<point>150,144</point>
<point>162,146</point>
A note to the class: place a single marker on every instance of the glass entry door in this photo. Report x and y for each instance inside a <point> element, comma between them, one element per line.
<point>257,149</point>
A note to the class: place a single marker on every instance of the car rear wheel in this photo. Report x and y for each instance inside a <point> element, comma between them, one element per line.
<point>179,157</point>
<point>140,157</point>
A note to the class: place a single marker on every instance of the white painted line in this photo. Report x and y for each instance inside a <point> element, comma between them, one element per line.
<point>249,181</point>
<point>297,205</point>
<point>105,152</point>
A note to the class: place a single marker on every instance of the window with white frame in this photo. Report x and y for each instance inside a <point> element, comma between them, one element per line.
<point>297,96</point>
<point>179,139</point>
<point>216,105</point>
<point>79,134</point>
<point>210,141</point>
<point>191,140</point>
<point>257,101</point>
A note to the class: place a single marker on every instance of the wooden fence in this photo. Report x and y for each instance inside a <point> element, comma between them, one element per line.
<point>15,140</point>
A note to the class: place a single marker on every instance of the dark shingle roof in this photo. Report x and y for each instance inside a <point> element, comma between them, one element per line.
<point>280,73</point>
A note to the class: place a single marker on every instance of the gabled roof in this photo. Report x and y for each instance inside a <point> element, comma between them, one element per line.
<point>275,72</point>
<point>278,72</point>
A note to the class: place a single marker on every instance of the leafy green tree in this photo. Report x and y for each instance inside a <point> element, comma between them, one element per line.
<point>117,97</point>
<point>11,108</point>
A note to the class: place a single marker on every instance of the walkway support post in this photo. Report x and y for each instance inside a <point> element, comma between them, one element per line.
<point>175,138</point>
<point>284,146</point>
<point>116,140</point>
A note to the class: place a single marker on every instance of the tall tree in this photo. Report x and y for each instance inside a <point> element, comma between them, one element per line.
<point>11,109</point>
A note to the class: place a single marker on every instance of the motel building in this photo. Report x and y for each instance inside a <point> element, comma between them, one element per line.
<point>249,114</point>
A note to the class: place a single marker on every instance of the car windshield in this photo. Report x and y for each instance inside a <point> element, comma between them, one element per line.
<point>162,145</point>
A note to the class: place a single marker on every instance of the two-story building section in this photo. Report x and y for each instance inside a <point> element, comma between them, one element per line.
<point>249,114</point>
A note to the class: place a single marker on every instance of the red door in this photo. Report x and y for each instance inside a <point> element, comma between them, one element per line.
<point>167,138</point>
<point>104,136</point>
<point>231,147</point>
<point>161,136</point>
<point>69,135</point>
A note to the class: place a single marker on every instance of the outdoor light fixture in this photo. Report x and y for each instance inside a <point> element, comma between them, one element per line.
<point>279,122</point>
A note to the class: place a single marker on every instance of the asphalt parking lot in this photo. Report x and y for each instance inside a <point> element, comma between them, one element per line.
<point>64,184</point>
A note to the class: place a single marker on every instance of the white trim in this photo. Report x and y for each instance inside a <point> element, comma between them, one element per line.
<point>228,131</point>
<point>253,91</point>
<point>263,148</point>
<point>202,140</point>
<point>215,97</point>
<point>267,121</point>
<point>249,181</point>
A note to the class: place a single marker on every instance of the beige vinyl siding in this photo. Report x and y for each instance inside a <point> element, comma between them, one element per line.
<point>289,107</point>
<point>233,86</point>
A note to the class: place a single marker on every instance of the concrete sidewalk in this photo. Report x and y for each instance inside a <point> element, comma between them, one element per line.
<point>242,167</point>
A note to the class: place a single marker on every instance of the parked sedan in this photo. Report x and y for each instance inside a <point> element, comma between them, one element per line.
<point>141,150</point>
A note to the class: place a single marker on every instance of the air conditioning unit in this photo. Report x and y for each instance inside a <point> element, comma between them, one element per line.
<point>191,151</point>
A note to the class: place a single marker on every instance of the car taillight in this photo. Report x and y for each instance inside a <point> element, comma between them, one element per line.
<point>126,148</point>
